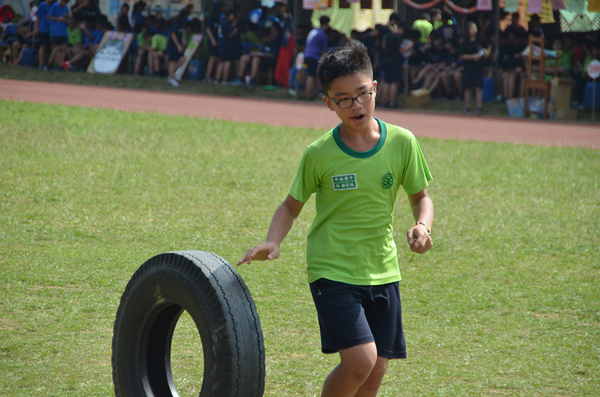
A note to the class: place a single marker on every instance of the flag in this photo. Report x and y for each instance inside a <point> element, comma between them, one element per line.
<point>284,58</point>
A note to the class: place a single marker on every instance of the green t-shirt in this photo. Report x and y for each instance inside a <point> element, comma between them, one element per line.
<point>351,239</point>
<point>159,42</point>
<point>74,36</point>
<point>141,40</point>
<point>424,27</point>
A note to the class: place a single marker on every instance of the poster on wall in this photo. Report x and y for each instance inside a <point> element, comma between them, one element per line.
<point>110,53</point>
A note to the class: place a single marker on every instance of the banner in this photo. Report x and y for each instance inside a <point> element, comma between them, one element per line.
<point>574,22</point>
<point>576,6</point>
<point>110,53</point>
<point>558,4</point>
<point>534,6</point>
<point>511,6</point>
<point>484,5</point>
<point>309,4</point>
<point>547,15</point>
<point>189,53</point>
<point>433,3</point>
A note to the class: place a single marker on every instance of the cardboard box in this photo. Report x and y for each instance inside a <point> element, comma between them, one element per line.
<point>560,93</point>
<point>418,99</point>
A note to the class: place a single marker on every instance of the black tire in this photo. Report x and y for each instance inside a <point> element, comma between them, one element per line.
<point>217,299</point>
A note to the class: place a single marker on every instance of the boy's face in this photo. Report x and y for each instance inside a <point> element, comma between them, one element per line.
<point>359,116</point>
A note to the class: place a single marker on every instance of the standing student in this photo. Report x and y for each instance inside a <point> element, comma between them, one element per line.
<point>59,18</point>
<point>316,45</point>
<point>42,32</point>
<point>356,170</point>
<point>472,55</point>
<point>176,45</point>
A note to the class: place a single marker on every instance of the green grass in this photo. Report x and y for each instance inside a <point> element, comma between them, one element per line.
<point>506,304</point>
<point>197,87</point>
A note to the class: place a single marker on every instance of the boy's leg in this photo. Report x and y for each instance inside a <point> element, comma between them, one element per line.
<point>357,364</point>
<point>373,382</point>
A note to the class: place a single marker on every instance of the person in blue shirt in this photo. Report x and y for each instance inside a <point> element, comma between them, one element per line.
<point>59,18</point>
<point>317,44</point>
<point>42,31</point>
<point>91,40</point>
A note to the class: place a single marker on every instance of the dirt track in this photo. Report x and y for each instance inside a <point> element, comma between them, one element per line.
<point>301,114</point>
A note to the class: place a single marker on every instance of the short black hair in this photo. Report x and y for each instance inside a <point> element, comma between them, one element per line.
<point>343,61</point>
<point>324,20</point>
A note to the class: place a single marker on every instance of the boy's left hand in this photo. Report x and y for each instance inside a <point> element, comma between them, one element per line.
<point>419,239</point>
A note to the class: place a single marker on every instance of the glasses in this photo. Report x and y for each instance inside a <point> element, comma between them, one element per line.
<point>348,102</point>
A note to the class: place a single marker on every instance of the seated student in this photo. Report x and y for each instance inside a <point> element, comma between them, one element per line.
<point>261,61</point>
<point>59,17</point>
<point>176,45</point>
<point>436,61</point>
<point>74,41</point>
<point>250,38</point>
<point>447,79</point>
<point>511,63</point>
<point>156,54</point>
<point>91,40</point>
<point>24,40</point>
<point>144,41</point>
<point>417,58</point>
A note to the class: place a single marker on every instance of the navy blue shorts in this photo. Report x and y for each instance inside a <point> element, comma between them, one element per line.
<point>312,65</point>
<point>352,315</point>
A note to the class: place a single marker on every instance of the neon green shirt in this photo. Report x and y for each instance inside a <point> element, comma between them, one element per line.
<point>351,239</point>
<point>74,36</point>
<point>159,42</point>
<point>424,27</point>
<point>141,40</point>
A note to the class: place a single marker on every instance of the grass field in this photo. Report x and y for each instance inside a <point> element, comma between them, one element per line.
<point>507,302</point>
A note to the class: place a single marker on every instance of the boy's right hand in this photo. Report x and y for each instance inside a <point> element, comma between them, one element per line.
<point>261,252</point>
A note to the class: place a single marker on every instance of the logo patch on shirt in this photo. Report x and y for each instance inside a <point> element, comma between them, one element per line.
<point>344,182</point>
<point>387,181</point>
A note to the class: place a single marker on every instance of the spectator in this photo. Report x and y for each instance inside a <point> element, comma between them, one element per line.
<point>86,10</point>
<point>515,27</point>
<point>157,50</point>
<point>138,18</point>
<point>25,41</point>
<point>229,45</point>
<point>535,28</point>
<point>511,63</point>
<point>212,32</point>
<point>42,32</point>
<point>437,19</point>
<point>262,60</point>
<point>59,17</point>
<point>176,46</point>
<point>471,55</point>
<point>437,60</point>
<point>92,36</point>
<point>424,27</point>
<point>144,41</point>
<point>74,41</point>
<point>393,65</point>
<point>316,45</point>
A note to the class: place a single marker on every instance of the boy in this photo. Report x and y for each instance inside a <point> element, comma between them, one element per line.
<point>59,18</point>
<point>355,170</point>
<point>42,32</point>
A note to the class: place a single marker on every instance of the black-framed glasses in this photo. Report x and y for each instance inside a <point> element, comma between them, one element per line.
<point>348,102</point>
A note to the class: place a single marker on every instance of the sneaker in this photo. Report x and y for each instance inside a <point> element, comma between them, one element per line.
<point>237,82</point>
<point>209,80</point>
<point>41,67</point>
<point>251,83</point>
<point>178,79</point>
<point>173,82</point>
<point>66,65</point>
<point>479,112</point>
<point>216,82</point>
<point>467,112</point>
<point>47,68</point>
<point>224,82</point>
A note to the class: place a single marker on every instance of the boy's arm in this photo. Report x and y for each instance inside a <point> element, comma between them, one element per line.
<point>418,236</point>
<point>282,222</point>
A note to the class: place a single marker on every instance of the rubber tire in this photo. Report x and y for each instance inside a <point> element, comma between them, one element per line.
<point>217,299</point>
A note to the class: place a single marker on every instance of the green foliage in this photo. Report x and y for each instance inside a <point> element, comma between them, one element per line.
<point>506,303</point>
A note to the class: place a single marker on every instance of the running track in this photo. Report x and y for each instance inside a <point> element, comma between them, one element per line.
<point>302,114</point>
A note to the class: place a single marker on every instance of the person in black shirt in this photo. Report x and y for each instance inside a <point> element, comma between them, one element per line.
<point>392,65</point>
<point>471,55</point>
